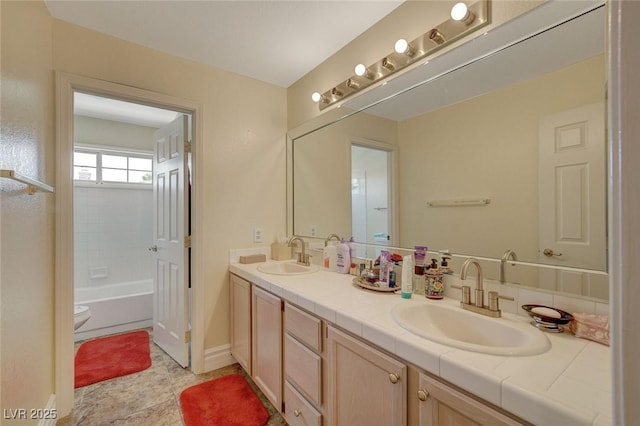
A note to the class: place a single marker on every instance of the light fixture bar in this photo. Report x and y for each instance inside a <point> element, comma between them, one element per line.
<point>423,46</point>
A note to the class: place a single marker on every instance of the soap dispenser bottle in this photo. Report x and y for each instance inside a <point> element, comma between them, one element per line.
<point>444,265</point>
<point>434,281</point>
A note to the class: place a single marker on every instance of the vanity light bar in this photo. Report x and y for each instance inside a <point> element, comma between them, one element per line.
<point>436,38</point>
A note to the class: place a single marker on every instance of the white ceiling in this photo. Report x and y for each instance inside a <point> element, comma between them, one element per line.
<point>273,41</point>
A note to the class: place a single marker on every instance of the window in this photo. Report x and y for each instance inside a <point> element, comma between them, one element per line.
<point>110,166</point>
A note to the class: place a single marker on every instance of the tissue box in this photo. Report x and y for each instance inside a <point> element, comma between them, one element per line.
<point>281,251</point>
<point>591,327</point>
<point>253,258</point>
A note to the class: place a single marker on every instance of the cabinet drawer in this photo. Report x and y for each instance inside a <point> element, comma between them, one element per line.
<point>304,368</point>
<point>305,327</point>
<point>297,410</point>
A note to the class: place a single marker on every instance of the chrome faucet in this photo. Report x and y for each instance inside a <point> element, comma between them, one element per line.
<point>334,236</point>
<point>493,309</point>
<point>508,254</point>
<point>303,258</point>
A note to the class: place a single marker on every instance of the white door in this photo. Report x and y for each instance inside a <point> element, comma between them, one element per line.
<point>371,201</point>
<point>171,271</point>
<point>572,197</point>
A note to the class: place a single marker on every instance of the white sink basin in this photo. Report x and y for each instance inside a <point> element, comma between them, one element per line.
<point>286,268</point>
<point>453,326</point>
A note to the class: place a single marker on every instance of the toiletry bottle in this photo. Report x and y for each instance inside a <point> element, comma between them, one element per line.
<point>330,256</point>
<point>419,254</point>
<point>418,279</point>
<point>343,262</point>
<point>434,281</point>
<point>385,267</point>
<point>370,275</point>
<point>407,277</point>
<point>352,248</point>
<point>444,265</point>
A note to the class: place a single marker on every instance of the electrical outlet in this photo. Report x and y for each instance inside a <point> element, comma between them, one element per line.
<point>257,234</point>
<point>314,230</point>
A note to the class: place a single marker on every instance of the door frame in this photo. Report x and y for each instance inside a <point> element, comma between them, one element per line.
<point>66,85</point>
<point>392,172</point>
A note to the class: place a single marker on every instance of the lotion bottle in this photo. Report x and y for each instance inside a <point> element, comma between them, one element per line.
<point>343,262</point>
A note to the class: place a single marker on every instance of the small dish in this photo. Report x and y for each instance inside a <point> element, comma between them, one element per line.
<point>547,321</point>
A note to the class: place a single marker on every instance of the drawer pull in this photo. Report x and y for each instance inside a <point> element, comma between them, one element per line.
<point>297,412</point>
<point>423,395</point>
<point>394,378</point>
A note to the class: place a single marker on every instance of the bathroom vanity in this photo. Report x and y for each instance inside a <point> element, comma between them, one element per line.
<point>326,352</point>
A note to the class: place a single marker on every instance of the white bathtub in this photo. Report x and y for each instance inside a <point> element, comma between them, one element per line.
<point>115,308</point>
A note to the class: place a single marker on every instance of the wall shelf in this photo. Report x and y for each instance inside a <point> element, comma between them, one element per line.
<point>461,202</point>
<point>34,185</point>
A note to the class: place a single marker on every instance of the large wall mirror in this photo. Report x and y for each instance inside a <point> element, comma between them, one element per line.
<point>503,152</point>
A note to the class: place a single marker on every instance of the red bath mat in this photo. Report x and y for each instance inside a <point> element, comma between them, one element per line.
<point>227,401</point>
<point>112,356</point>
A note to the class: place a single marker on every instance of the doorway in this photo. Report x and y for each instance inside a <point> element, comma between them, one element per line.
<point>67,86</point>
<point>373,194</point>
<point>116,272</point>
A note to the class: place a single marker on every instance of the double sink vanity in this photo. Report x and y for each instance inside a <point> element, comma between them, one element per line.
<point>326,352</point>
<point>426,159</point>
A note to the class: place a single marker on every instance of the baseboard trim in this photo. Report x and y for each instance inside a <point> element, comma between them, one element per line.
<point>218,357</point>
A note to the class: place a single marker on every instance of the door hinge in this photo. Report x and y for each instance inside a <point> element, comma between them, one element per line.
<point>187,241</point>
<point>187,146</point>
<point>187,336</point>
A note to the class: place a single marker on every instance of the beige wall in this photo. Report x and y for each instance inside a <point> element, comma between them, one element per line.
<point>94,131</point>
<point>244,144</point>
<point>494,154</point>
<point>322,173</point>
<point>27,227</point>
<point>408,21</point>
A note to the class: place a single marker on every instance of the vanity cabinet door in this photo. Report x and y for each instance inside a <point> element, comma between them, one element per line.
<point>442,405</point>
<point>266,310</point>
<point>240,302</point>
<point>366,386</point>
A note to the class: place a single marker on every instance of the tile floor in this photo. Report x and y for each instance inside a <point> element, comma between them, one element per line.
<point>150,397</point>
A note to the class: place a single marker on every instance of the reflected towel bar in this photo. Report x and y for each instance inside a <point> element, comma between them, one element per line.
<point>459,202</point>
<point>33,184</point>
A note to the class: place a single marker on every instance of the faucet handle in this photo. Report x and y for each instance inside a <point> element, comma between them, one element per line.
<point>466,293</point>
<point>493,300</point>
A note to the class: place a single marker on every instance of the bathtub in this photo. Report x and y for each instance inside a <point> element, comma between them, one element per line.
<point>115,308</point>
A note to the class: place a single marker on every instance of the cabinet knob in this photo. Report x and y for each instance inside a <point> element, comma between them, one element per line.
<point>394,378</point>
<point>297,412</point>
<point>423,395</point>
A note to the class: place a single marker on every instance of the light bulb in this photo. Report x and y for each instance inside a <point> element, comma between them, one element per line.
<point>459,12</point>
<point>360,70</point>
<point>401,45</point>
<point>315,97</point>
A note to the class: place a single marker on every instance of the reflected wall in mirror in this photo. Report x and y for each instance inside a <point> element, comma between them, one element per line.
<point>523,128</point>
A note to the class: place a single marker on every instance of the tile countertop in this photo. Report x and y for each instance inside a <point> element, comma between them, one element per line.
<point>567,385</point>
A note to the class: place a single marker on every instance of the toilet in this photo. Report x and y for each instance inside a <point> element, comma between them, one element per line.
<point>81,314</point>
